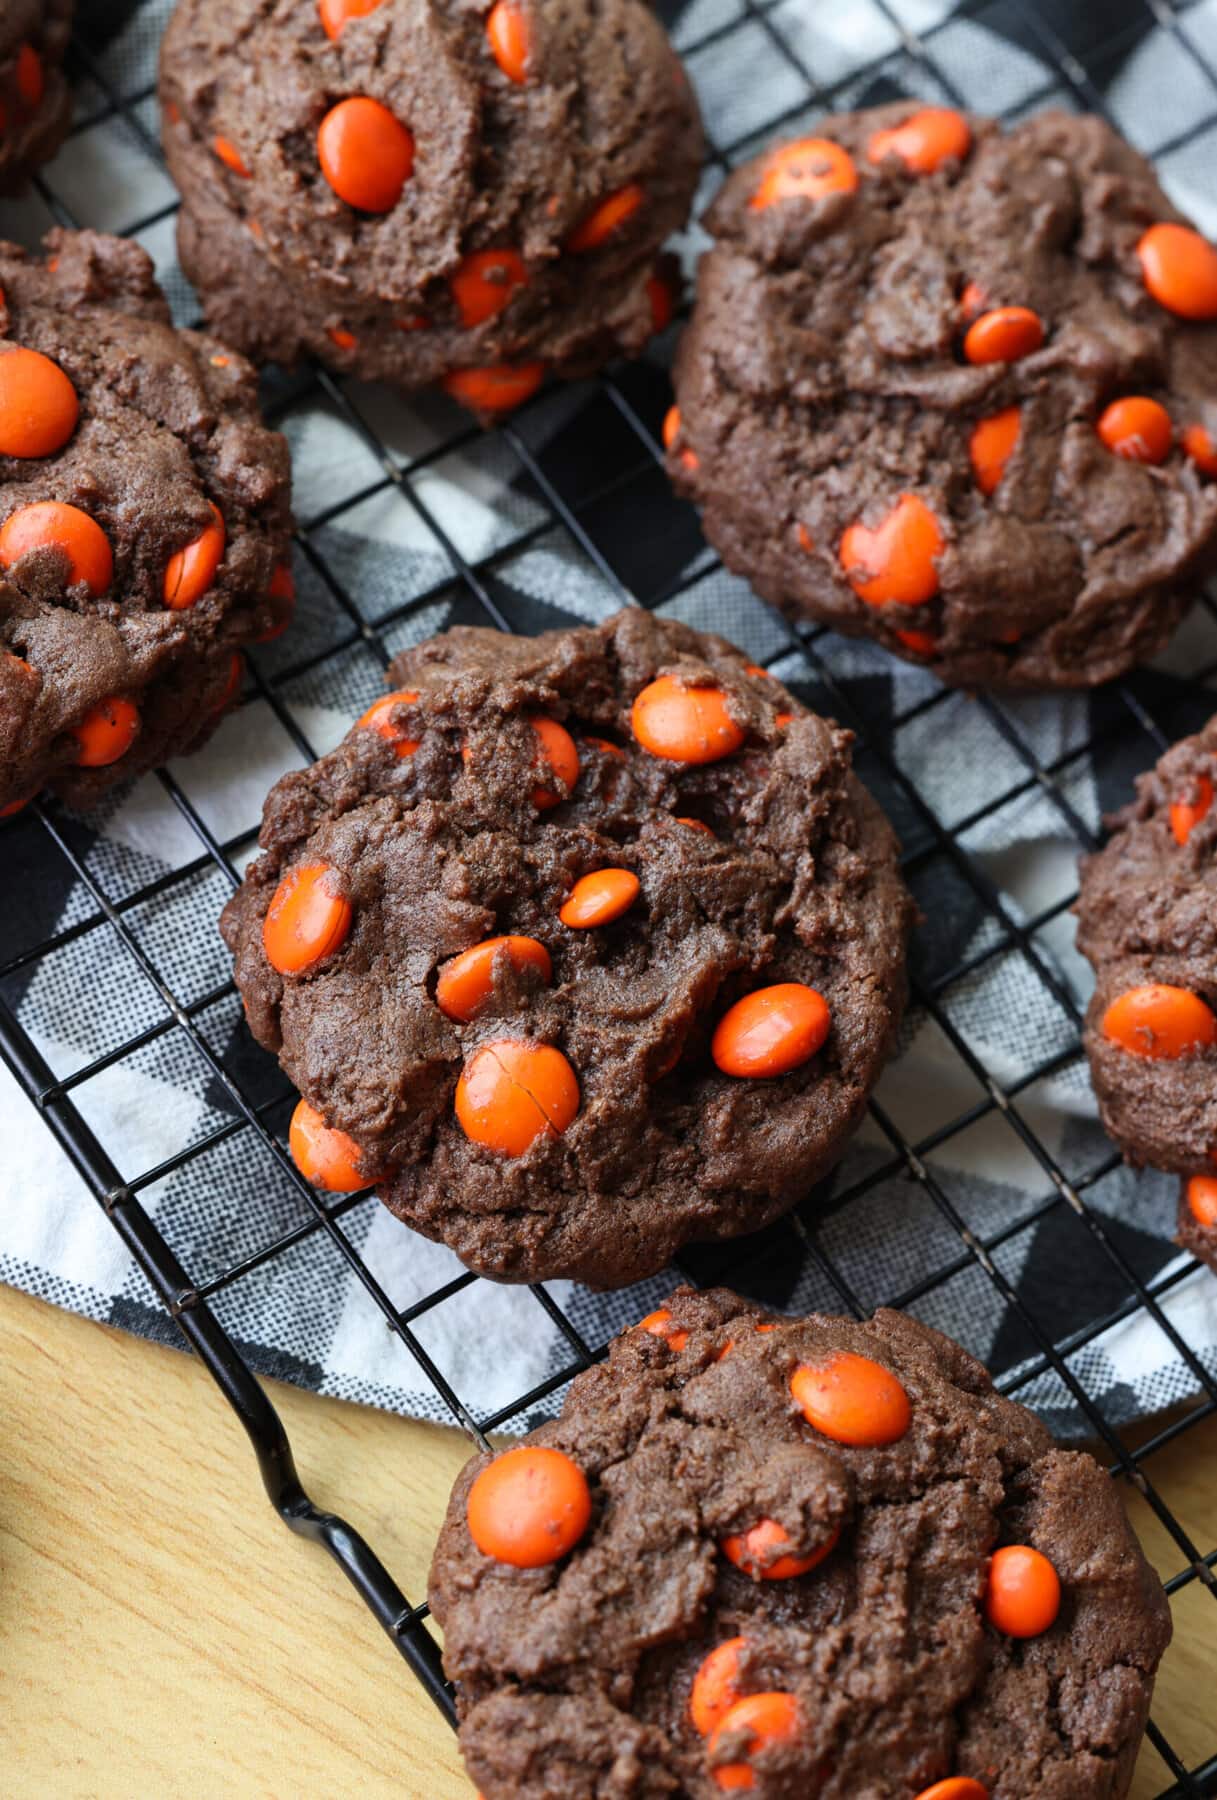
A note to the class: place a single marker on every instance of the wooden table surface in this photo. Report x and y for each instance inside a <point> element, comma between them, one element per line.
<point>161,1632</point>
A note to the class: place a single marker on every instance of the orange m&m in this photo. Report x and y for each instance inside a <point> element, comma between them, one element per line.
<point>764,1552</point>
<point>1179,268</point>
<point>955,1787</point>
<point>716,1685</point>
<point>770,1718</point>
<point>684,724</point>
<point>608,217</point>
<point>992,444</point>
<point>660,1324</point>
<point>52,525</point>
<point>335,13</point>
<point>381,718</point>
<point>191,570</point>
<point>662,302</point>
<point>307,920</point>
<point>1200,447</point>
<point>599,898</point>
<point>507,32</point>
<point>484,283</point>
<point>38,404</point>
<point>923,142</point>
<point>529,1507</point>
<point>1137,428</point>
<point>230,156</point>
<point>1202,1199</point>
<point>325,1156</point>
<point>499,387</point>
<point>366,155</point>
<point>512,1093</point>
<point>1161,1022</point>
<point>771,1031</point>
<point>30,80</point>
<point>556,749</point>
<point>1006,334</point>
<point>670,431</point>
<point>1185,815</point>
<point>466,982</point>
<point>106,733</point>
<point>852,1400</point>
<point>893,562</point>
<point>808,169</point>
<point>1023,1597</point>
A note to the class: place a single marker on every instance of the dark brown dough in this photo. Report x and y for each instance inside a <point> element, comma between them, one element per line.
<point>442,849</point>
<point>168,422</point>
<point>1147,912</point>
<point>35,103</point>
<point>822,377</point>
<point>284,266</point>
<point>573,1679</point>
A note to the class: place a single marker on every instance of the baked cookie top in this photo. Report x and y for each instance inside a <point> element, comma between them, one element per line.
<point>589,943</point>
<point>954,387</point>
<point>35,105</point>
<point>794,1556</point>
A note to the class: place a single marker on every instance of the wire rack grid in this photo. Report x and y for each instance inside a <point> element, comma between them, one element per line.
<point>919,54</point>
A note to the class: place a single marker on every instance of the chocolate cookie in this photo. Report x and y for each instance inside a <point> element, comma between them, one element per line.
<point>143,522</point>
<point>953,388</point>
<point>35,105</point>
<point>1197,1229</point>
<point>797,1556</point>
<point>430,190</point>
<point>585,944</point>
<point>1147,920</point>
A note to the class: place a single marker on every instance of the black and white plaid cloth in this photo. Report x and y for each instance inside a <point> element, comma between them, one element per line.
<point>992,847</point>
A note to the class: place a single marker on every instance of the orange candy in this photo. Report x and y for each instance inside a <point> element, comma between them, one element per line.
<point>511,1093</point>
<point>670,431</point>
<point>230,156</point>
<point>1023,1597</point>
<point>1202,1199</point>
<point>1004,335</point>
<point>340,337</point>
<point>306,921</point>
<point>106,733</point>
<point>659,1324</point>
<point>529,1507</point>
<point>607,749</point>
<point>557,749</point>
<point>806,170</point>
<point>30,82</point>
<point>599,898</point>
<point>684,724</point>
<point>852,1400</point>
<point>991,446</point>
<point>892,564</point>
<point>326,1157</point>
<point>955,1787</point>
<point>38,404</point>
<point>663,305</point>
<point>335,13</point>
<point>192,570</point>
<point>771,1031</point>
<point>696,825</point>
<point>1179,268</point>
<point>507,31</point>
<point>1137,428</point>
<point>380,719</point>
<point>485,282</point>
<point>497,388</point>
<point>49,524</point>
<point>366,155</point>
<point>1185,815</point>
<point>919,642</point>
<point>608,217</point>
<point>1200,447</point>
<point>935,135</point>
<point>466,982</point>
<point>972,302</point>
<point>771,1718</point>
<point>1160,1022</point>
<point>715,1686</point>
<point>764,1552</point>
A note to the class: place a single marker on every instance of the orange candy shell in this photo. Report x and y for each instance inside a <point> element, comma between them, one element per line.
<point>771,1031</point>
<point>894,562</point>
<point>529,1507</point>
<point>607,218</point>
<point>466,982</point>
<point>52,524</point>
<point>684,724</point>
<point>366,154</point>
<point>508,36</point>
<point>992,444</point>
<point>1185,815</point>
<point>38,404</point>
<point>763,1551</point>
<point>770,1718</point>
<point>715,1690</point>
<point>556,749</point>
<point>1137,428</point>
<point>306,920</point>
<point>925,141</point>
<point>497,388</point>
<point>327,1158</point>
<point>484,283</point>
<point>380,719</point>
<point>336,13</point>
<point>808,169</point>
<point>659,1324</point>
<point>852,1400</point>
<point>955,1787</point>
<point>107,733</point>
<point>1199,445</point>
<point>511,1093</point>
<point>1006,334</point>
<point>1179,268</point>
<point>1202,1200</point>
<point>192,569</point>
<point>1023,1596</point>
<point>599,898</point>
<point>1160,1022</point>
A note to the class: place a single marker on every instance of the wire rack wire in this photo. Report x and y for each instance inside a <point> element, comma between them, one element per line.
<point>628,410</point>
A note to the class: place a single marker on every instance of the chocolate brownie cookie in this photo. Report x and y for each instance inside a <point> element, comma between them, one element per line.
<point>430,190</point>
<point>35,105</point>
<point>143,522</point>
<point>953,388</point>
<point>1147,920</point>
<point>584,944</point>
<point>796,1556</point>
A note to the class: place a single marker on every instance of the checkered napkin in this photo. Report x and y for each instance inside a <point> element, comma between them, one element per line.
<point>992,849</point>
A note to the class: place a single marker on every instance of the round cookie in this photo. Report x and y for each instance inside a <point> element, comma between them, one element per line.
<point>430,190</point>
<point>796,1556</point>
<point>144,521</point>
<point>1147,921</point>
<point>953,388</point>
<point>35,104</point>
<point>576,1001</point>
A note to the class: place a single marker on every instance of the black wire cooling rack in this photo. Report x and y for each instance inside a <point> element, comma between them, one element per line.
<point>740,35</point>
